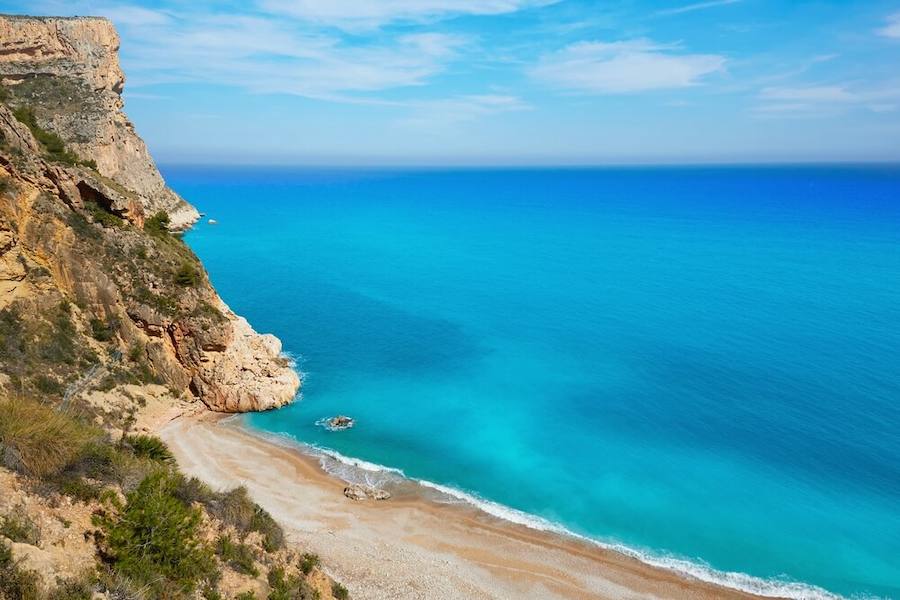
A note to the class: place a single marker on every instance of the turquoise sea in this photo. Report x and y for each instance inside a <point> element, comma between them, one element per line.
<point>699,364</point>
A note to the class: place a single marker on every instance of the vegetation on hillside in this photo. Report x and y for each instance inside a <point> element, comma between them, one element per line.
<point>95,296</point>
<point>153,524</point>
<point>52,143</point>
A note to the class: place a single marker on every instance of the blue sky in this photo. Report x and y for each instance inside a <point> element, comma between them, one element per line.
<point>508,81</point>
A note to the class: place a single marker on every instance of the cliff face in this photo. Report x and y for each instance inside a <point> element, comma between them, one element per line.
<point>95,290</point>
<point>67,71</point>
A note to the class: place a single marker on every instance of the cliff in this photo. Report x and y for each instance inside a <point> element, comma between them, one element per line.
<point>68,71</point>
<point>96,291</point>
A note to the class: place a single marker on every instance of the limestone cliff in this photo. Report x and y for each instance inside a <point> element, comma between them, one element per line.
<point>68,71</point>
<point>95,289</point>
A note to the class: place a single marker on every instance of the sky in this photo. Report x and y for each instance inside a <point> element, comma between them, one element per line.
<point>507,82</point>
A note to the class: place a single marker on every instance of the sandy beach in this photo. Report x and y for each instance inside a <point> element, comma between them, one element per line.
<point>409,546</point>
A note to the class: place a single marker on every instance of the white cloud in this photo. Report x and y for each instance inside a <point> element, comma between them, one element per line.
<point>133,15</point>
<point>822,93</point>
<point>826,100</point>
<point>695,7</point>
<point>266,55</point>
<point>447,111</point>
<point>624,67</point>
<point>366,14</point>
<point>892,29</point>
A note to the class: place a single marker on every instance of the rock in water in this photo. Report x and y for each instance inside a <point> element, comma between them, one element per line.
<point>338,423</point>
<point>341,422</point>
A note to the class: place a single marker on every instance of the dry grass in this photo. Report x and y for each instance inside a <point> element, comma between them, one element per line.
<point>37,440</point>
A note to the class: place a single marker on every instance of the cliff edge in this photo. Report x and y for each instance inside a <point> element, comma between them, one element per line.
<point>96,289</point>
<point>67,70</point>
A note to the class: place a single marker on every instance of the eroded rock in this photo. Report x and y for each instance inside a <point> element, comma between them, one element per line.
<point>357,492</point>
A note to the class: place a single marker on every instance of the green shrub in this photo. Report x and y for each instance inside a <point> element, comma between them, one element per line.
<point>339,591</point>
<point>190,490</point>
<point>81,588</point>
<point>248,595</point>
<point>38,440</point>
<point>48,385</point>
<point>116,586</point>
<point>57,337</point>
<point>104,217</point>
<point>16,583</point>
<point>163,304</point>
<point>136,352</point>
<point>237,555</point>
<point>158,224</point>
<point>308,562</point>
<point>101,330</point>
<point>153,539</point>
<point>19,527</point>
<point>187,275</point>
<point>90,163</point>
<point>78,488</point>
<point>236,508</point>
<point>290,588</point>
<point>81,226</point>
<point>150,447</point>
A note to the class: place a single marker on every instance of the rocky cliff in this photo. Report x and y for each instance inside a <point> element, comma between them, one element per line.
<point>68,71</point>
<point>96,290</point>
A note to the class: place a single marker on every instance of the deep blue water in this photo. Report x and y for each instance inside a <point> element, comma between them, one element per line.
<point>695,362</point>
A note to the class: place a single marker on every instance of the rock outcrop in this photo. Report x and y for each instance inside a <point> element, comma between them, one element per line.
<point>68,71</point>
<point>358,492</point>
<point>90,276</point>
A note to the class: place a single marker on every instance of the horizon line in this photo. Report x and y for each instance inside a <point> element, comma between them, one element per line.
<point>535,165</point>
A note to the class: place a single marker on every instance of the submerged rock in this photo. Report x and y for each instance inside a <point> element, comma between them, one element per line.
<point>338,423</point>
<point>356,491</point>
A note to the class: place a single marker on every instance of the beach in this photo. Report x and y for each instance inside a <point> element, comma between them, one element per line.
<point>409,546</point>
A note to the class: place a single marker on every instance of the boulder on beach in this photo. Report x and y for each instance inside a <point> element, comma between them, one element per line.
<point>356,491</point>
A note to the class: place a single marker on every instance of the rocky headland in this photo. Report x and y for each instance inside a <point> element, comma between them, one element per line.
<point>87,235</point>
<point>109,327</point>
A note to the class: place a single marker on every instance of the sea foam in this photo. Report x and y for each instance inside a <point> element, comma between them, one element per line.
<point>354,470</point>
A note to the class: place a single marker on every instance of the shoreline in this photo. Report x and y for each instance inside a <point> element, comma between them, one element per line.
<point>414,546</point>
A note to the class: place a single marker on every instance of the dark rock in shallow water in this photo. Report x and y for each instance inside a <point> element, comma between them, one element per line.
<point>356,491</point>
<point>338,423</point>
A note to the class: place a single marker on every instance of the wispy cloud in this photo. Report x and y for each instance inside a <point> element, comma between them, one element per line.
<point>367,14</point>
<point>821,93</point>
<point>263,53</point>
<point>827,100</point>
<point>438,115</point>
<point>892,28</point>
<point>687,8</point>
<point>624,67</point>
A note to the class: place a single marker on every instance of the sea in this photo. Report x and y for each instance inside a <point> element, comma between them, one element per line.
<point>698,366</point>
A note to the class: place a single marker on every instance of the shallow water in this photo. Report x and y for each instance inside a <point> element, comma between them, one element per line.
<point>696,363</point>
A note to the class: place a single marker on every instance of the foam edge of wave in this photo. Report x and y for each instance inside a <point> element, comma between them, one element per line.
<point>694,569</point>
